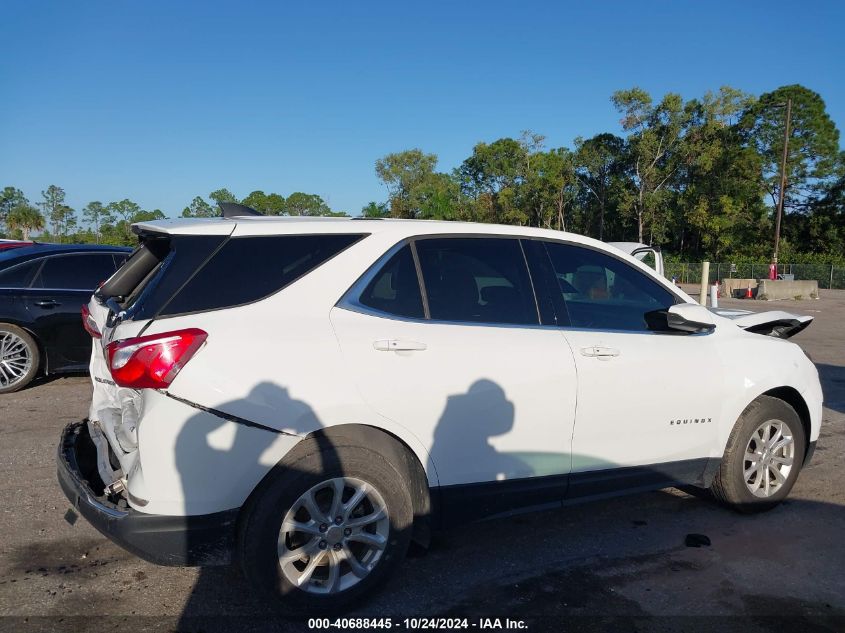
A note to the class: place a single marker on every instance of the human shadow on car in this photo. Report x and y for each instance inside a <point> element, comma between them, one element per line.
<point>222,600</point>
<point>234,452</point>
<point>231,450</point>
<point>464,430</point>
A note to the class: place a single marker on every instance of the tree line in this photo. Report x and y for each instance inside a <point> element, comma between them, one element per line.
<point>52,220</point>
<point>700,178</point>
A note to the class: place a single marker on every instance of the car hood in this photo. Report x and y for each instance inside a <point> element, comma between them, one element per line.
<point>775,323</point>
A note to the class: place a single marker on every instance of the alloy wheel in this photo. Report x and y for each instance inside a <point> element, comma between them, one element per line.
<point>768,458</point>
<point>15,359</point>
<point>333,536</point>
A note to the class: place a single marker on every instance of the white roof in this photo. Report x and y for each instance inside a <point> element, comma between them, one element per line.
<point>270,225</point>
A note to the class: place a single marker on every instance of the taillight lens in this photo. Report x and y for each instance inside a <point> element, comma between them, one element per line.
<point>152,362</point>
<point>89,323</point>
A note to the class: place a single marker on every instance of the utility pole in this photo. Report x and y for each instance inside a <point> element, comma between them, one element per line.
<point>782,181</point>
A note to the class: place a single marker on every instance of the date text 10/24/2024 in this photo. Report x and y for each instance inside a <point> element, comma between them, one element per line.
<point>416,623</point>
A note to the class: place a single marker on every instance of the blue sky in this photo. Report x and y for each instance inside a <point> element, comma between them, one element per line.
<point>162,101</point>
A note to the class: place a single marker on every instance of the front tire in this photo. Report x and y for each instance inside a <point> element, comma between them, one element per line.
<point>19,358</point>
<point>326,527</point>
<point>763,457</point>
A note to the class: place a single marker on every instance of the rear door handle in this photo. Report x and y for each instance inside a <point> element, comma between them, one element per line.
<point>48,303</point>
<point>396,345</point>
<point>600,352</point>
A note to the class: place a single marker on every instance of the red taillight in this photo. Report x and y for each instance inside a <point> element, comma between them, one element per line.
<point>152,362</point>
<point>89,323</point>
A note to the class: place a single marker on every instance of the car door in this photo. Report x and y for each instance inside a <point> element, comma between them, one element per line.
<point>466,367</point>
<point>54,300</point>
<point>648,397</point>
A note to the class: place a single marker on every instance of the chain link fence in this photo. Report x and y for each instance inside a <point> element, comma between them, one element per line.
<point>827,275</point>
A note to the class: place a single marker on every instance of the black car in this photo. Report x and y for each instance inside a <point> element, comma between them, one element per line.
<point>42,290</point>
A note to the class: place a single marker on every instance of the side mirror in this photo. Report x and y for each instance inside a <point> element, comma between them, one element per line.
<point>690,317</point>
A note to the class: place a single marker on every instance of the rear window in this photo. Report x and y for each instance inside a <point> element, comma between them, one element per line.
<point>20,275</point>
<point>247,269</point>
<point>179,274</point>
<point>75,271</point>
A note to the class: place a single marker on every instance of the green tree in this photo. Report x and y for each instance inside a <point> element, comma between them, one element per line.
<point>375,210</point>
<point>813,156</point>
<point>61,217</point>
<point>437,197</point>
<point>654,135</point>
<point>199,208</point>
<point>550,187</point>
<point>69,223</point>
<point>493,167</point>
<point>96,214</point>
<point>268,204</point>
<point>25,218</point>
<point>223,195</point>
<point>599,169</point>
<point>404,173</point>
<point>492,176</point>
<point>123,211</point>
<point>10,198</point>
<point>719,196</point>
<point>825,227</point>
<point>308,204</point>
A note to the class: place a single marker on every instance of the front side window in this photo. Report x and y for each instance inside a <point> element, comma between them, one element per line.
<point>395,289</point>
<point>75,272</point>
<point>602,292</point>
<point>481,280</point>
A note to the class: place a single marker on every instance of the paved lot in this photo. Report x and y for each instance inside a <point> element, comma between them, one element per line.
<point>619,564</point>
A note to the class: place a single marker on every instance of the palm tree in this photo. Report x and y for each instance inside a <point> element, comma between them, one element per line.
<point>26,218</point>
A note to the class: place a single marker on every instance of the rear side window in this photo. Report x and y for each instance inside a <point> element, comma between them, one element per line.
<point>395,289</point>
<point>75,272</point>
<point>482,280</point>
<point>246,269</point>
<point>19,276</point>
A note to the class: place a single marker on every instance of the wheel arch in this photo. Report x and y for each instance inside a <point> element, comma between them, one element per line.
<point>793,398</point>
<point>382,441</point>
<point>393,445</point>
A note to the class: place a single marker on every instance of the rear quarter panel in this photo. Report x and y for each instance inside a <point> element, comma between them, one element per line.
<point>277,361</point>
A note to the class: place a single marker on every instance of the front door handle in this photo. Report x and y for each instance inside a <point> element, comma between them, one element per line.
<point>396,345</point>
<point>48,303</point>
<point>600,352</point>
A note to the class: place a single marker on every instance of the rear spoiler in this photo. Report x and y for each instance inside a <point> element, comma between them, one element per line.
<point>236,210</point>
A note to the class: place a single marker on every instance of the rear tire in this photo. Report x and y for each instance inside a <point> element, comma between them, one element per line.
<point>326,527</point>
<point>19,358</point>
<point>763,457</point>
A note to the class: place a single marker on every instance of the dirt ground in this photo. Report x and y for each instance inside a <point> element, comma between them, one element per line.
<point>619,564</point>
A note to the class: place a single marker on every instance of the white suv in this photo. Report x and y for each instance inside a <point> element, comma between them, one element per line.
<point>309,396</point>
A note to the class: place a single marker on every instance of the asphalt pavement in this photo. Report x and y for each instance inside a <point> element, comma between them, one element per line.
<point>618,564</point>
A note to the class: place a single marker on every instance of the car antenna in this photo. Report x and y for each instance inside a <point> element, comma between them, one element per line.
<point>235,209</point>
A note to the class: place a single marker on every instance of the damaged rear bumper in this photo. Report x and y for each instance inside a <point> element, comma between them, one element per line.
<point>201,540</point>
